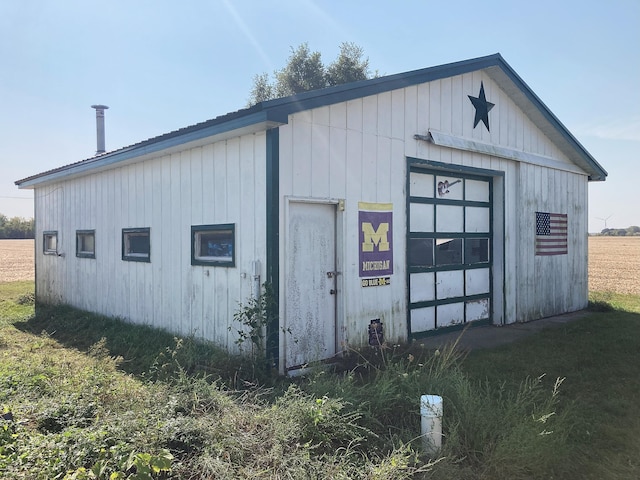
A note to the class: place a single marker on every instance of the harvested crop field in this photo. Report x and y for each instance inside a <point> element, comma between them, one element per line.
<point>16,260</point>
<point>614,264</point>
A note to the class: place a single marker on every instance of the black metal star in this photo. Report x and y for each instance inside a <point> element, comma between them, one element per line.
<point>482,107</point>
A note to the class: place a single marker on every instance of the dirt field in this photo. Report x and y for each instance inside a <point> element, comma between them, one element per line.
<point>16,260</point>
<point>614,263</point>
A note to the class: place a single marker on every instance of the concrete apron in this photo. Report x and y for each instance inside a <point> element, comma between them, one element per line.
<point>490,336</point>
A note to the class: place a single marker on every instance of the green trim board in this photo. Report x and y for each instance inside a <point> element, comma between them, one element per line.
<point>407,280</point>
<point>452,328</point>
<point>449,268</point>
<point>272,213</point>
<point>473,173</point>
<point>220,128</point>
<point>504,250</point>
<point>449,301</point>
<point>465,203</point>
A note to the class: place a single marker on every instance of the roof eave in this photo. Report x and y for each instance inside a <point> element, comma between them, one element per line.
<point>207,132</point>
<point>573,148</point>
<point>491,63</point>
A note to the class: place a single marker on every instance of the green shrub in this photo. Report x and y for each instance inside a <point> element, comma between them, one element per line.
<point>28,298</point>
<point>70,412</point>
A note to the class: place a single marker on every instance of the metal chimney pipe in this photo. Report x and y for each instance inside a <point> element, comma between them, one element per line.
<point>100,126</point>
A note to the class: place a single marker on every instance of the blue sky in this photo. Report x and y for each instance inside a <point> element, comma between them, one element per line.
<point>162,65</point>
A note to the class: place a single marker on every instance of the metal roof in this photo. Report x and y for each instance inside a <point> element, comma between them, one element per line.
<point>272,113</point>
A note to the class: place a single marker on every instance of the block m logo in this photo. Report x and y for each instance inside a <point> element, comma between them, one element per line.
<point>375,222</point>
<point>373,238</point>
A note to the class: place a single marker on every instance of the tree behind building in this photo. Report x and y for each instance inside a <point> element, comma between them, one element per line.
<point>305,71</point>
<point>15,227</point>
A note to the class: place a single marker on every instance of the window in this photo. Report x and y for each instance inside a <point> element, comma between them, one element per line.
<point>449,251</point>
<point>136,245</point>
<point>213,245</point>
<point>421,252</point>
<point>50,243</point>
<point>476,250</point>
<point>86,243</point>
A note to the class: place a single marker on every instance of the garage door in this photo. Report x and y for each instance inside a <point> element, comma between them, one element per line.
<point>449,250</point>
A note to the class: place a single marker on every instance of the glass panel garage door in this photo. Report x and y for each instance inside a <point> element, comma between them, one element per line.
<point>449,250</point>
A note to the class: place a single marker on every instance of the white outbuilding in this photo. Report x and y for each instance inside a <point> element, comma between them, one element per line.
<point>382,210</point>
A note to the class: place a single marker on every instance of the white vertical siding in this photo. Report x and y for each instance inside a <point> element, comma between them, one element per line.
<point>219,183</point>
<point>357,151</point>
<point>549,285</point>
<point>183,231</point>
<point>321,170</point>
<point>203,277</point>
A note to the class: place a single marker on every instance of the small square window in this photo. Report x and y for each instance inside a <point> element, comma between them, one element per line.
<point>421,252</point>
<point>86,243</point>
<point>476,250</point>
<point>449,251</point>
<point>136,244</point>
<point>50,243</point>
<point>213,245</point>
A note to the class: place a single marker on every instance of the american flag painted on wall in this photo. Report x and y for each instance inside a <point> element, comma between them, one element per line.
<point>551,233</point>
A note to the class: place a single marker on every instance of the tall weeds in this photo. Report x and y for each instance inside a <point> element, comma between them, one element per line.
<point>83,411</point>
<point>490,430</point>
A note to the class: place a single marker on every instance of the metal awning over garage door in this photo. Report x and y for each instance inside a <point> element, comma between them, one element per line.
<point>449,250</point>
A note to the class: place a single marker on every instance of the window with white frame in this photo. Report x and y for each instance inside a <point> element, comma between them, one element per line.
<point>86,243</point>
<point>213,245</point>
<point>136,244</point>
<point>50,243</point>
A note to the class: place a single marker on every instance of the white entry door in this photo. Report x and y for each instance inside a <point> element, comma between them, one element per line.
<point>310,311</point>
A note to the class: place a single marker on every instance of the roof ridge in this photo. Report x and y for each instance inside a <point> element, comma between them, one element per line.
<point>277,110</point>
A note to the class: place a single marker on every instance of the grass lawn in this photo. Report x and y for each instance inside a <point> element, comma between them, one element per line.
<point>90,397</point>
<point>599,358</point>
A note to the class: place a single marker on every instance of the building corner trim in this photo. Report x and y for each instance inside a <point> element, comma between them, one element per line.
<point>273,243</point>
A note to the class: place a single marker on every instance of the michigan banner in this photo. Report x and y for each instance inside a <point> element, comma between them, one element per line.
<point>375,221</point>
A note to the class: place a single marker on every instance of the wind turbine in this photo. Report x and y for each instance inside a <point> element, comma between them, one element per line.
<point>605,220</point>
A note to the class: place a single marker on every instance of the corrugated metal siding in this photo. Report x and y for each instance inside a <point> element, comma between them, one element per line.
<point>219,183</point>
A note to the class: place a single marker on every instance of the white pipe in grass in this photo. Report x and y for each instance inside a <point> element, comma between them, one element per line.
<point>431,412</point>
